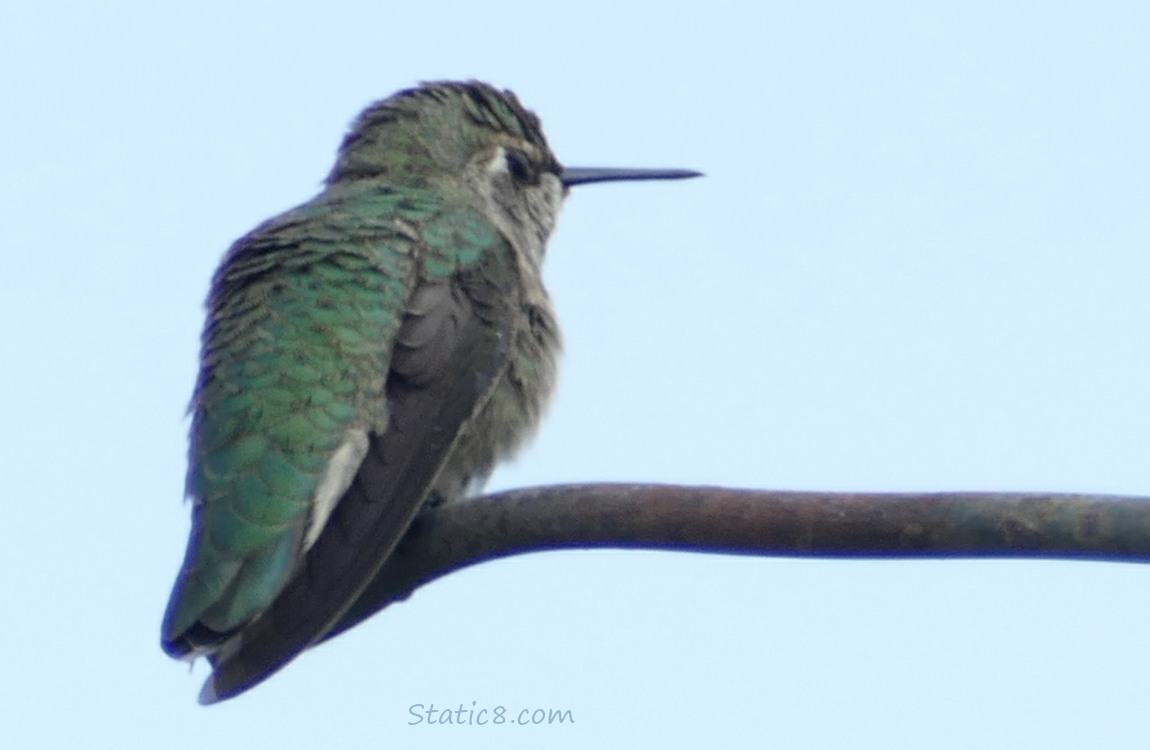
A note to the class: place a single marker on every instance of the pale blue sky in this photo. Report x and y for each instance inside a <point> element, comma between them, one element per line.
<point>918,262</point>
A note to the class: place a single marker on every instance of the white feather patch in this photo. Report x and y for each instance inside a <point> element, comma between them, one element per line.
<point>341,470</point>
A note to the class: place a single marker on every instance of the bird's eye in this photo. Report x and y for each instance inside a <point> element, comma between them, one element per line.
<point>520,166</point>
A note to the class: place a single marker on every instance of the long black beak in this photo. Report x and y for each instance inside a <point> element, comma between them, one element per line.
<point>583,175</point>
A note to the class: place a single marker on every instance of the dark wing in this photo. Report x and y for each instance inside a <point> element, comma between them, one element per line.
<point>451,349</point>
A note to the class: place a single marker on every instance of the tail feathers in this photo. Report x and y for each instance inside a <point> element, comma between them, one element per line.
<point>198,640</point>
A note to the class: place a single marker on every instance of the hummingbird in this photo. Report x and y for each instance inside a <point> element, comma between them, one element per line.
<point>371,352</point>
